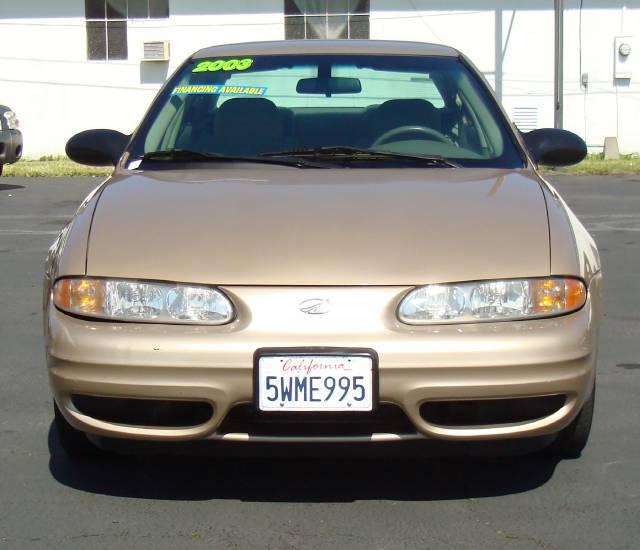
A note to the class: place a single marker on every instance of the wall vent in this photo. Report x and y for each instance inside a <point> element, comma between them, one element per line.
<point>156,51</point>
<point>525,118</point>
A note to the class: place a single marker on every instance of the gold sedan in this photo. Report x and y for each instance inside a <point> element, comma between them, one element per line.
<point>324,241</point>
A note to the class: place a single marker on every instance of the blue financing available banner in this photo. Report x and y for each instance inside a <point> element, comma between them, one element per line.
<point>219,90</point>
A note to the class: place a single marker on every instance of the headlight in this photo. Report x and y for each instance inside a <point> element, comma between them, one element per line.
<point>12,120</point>
<point>141,301</point>
<point>506,300</point>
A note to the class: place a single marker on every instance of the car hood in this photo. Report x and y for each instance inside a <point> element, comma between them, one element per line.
<point>272,225</point>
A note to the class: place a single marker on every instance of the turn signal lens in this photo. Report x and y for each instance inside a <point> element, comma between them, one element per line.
<point>82,296</point>
<point>500,300</point>
<point>557,295</point>
<point>142,301</point>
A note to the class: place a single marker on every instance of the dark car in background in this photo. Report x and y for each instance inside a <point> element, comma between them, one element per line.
<point>10,137</point>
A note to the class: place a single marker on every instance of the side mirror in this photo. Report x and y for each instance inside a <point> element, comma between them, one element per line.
<point>97,147</point>
<point>555,147</point>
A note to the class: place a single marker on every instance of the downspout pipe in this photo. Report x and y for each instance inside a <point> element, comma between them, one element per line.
<point>558,91</point>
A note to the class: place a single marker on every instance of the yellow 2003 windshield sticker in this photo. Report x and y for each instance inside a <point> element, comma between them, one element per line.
<point>223,65</point>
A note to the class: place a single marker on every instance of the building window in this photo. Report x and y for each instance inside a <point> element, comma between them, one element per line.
<point>321,19</point>
<point>107,24</point>
<point>148,9</point>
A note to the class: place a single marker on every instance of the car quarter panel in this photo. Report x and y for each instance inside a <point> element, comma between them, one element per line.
<point>68,254</point>
<point>573,250</point>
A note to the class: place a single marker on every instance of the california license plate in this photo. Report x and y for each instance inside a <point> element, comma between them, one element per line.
<point>315,383</point>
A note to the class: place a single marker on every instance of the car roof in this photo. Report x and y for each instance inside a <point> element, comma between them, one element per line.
<point>287,47</point>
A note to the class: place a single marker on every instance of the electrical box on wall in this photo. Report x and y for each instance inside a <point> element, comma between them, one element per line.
<point>623,57</point>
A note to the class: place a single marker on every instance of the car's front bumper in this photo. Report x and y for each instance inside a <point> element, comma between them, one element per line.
<point>416,364</point>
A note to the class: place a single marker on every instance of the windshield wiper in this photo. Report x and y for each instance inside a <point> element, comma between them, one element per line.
<point>178,154</point>
<point>187,155</point>
<point>354,153</point>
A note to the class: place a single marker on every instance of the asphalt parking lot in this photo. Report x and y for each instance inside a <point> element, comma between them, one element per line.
<point>152,502</point>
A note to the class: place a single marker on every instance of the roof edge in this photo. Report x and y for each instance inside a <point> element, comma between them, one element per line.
<point>291,47</point>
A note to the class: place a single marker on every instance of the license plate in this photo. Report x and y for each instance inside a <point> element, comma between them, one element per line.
<point>315,383</point>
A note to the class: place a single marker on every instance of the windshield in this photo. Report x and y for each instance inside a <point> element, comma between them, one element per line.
<point>253,106</point>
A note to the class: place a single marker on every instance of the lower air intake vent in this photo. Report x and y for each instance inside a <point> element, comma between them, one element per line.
<point>157,413</point>
<point>487,412</point>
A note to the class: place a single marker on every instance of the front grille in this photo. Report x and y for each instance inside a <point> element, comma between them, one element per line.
<point>162,413</point>
<point>386,418</point>
<point>488,412</point>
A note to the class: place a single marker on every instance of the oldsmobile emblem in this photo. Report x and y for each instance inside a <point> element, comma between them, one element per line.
<point>314,306</point>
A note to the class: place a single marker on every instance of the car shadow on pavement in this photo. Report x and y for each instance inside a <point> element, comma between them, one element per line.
<point>299,478</point>
<point>10,187</point>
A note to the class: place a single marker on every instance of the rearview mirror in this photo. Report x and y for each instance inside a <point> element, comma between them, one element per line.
<point>555,147</point>
<point>329,86</point>
<point>97,147</point>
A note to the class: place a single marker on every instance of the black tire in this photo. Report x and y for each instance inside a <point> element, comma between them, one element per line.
<point>570,442</point>
<point>75,443</point>
<point>1,166</point>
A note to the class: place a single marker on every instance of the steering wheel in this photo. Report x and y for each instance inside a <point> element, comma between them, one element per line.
<point>430,134</point>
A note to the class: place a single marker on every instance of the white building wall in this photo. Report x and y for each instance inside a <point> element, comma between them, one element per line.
<point>512,42</point>
<point>46,78</point>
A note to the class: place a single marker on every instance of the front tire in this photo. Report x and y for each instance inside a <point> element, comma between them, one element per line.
<point>75,443</point>
<point>571,441</point>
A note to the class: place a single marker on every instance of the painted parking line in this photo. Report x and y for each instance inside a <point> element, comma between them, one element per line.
<point>7,225</point>
<point>35,217</point>
<point>13,232</point>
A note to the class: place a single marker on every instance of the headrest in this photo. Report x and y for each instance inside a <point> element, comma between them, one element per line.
<point>404,112</point>
<point>242,114</point>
